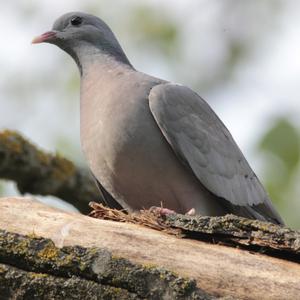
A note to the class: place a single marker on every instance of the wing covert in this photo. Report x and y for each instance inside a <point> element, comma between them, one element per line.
<point>204,144</point>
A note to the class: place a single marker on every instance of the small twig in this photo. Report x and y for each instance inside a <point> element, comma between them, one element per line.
<point>148,218</point>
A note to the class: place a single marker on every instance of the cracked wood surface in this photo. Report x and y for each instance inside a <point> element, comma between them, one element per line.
<point>34,268</point>
<point>218,270</point>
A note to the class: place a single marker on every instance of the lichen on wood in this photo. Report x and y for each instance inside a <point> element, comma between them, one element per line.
<point>19,284</point>
<point>217,269</point>
<point>252,234</point>
<point>41,173</point>
<point>230,230</point>
<point>29,257</point>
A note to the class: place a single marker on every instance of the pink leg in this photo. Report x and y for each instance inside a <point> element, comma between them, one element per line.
<point>162,210</point>
<point>166,211</point>
<point>191,212</point>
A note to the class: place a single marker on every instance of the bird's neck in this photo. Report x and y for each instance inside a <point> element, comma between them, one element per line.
<point>89,57</point>
<point>102,78</point>
<point>102,74</point>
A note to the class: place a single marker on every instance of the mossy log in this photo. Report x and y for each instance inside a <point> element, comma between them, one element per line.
<point>16,283</point>
<point>63,253</point>
<point>41,173</point>
<point>35,268</point>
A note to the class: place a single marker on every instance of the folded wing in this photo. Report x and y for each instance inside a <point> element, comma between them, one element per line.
<point>203,143</point>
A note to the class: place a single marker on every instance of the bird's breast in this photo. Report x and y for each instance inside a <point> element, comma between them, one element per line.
<point>127,152</point>
<point>115,131</point>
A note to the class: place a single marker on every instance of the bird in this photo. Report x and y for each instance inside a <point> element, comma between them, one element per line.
<point>150,142</point>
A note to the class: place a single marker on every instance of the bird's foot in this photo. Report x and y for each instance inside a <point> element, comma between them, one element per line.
<point>166,211</point>
<point>191,212</point>
<point>162,210</point>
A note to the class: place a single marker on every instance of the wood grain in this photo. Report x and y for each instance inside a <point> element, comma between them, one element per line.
<point>219,270</point>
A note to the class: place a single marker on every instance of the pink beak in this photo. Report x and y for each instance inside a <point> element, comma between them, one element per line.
<point>44,37</point>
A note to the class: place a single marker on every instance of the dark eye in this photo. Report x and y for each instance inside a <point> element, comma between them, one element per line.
<point>75,21</point>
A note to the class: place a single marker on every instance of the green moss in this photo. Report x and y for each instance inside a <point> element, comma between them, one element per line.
<point>149,266</point>
<point>43,158</point>
<point>37,275</point>
<point>64,165</point>
<point>62,168</point>
<point>67,259</point>
<point>21,247</point>
<point>116,291</point>
<point>82,266</point>
<point>119,275</point>
<point>15,144</point>
<point>12,141</point>
<point>32,235</point>
<point>115,257</point>
<point>49,252</point>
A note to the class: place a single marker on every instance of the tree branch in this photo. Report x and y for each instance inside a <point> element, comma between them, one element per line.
<point>16,283</point>
<point>40,173</point>
<point>230,230</point>
<point>135,258</point>
<point>94,270</point>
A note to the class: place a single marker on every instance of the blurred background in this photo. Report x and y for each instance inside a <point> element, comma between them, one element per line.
<point>243,57</point>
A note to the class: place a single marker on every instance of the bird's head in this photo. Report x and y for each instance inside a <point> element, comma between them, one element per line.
<point>83,36</point>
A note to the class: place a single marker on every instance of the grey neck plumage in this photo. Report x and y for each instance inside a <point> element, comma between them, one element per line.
<point>87,55</point>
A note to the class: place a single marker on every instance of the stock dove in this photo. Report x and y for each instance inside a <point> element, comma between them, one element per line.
<point>149,141</point>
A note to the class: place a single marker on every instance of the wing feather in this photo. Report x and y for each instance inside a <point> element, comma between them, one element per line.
<point>204,144</point>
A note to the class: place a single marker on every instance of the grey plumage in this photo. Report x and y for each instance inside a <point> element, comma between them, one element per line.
<point>149,141</point>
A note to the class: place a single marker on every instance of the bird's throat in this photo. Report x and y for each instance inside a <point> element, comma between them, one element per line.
<point>89,57</point>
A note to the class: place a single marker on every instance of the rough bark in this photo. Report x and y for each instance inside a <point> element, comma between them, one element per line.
<point>231,230</point>
<point>132,257</point>
<point>40,173</point>
<point>249,234</point>
<point>35,268</point>
<point>16,284</point>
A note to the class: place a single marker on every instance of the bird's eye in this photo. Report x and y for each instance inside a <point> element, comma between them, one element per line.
<point>76,21</point>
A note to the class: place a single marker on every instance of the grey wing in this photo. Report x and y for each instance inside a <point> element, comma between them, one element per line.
<point>203,143</point>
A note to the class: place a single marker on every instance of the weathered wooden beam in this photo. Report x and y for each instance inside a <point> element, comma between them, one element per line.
<point>94,270</point>
<point>217,269</point>
<point>16,283</point>
<point>231,230</point>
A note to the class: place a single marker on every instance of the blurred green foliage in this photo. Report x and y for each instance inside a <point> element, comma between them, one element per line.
<point>282,141</point>
<point>281,147</point>
<point>155,27</point>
